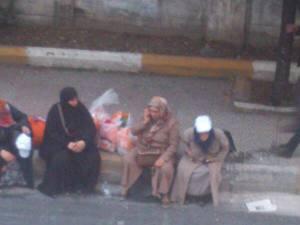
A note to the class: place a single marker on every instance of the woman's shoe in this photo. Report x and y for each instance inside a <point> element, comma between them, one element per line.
<point>41,189</point>
<point>124,193</point>
<point>165,201</point>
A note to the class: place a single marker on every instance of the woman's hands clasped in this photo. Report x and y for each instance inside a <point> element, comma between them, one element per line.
<point>77,146</point>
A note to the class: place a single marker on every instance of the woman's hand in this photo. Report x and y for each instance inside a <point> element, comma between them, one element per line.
<point>71,146</point>
<point>146,116</point>
<point>7,156</point>
<point>79,146</point>
<point>159,163</point>
<point>189,152</point>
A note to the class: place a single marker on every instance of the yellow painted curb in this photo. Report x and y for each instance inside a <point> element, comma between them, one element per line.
<point>13,55</point>
<point>195,66</point>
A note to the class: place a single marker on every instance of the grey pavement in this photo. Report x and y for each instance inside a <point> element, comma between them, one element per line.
<point>34,90</point>
<point>34,208</point>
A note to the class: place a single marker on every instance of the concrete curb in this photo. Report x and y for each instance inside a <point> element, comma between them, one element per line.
<point>196,66</point>
<point>265,70</point>
<point>13,55</point>
<point>255,168</point>
<point>83,59</point>
<point>135,62</point>
<point>246,106</point>
<point>282,177</point>
<point>257,178</point>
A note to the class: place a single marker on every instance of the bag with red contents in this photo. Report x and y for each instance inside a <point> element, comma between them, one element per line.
<point>38,125</point>
<point>113,131</point>
<point>126,140</point>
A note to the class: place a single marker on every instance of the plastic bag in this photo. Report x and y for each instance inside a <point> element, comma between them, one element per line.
<point>113,131</point>
<point>37,125</point>
<point>110,97</point>
<point>125,140</point>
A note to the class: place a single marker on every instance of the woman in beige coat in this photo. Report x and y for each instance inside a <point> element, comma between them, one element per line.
<point>199,170</point>
<point>157,132</point>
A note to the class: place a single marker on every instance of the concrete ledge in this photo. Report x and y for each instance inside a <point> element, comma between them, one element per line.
<point>259,107</point>
<point>83,59</point>
<point>282,177</point>
<point>111,167</point>
<point>251,177</point>
<point>265,70</point>
<point>255,168</point>
<point>244,97</point>
<point>130,62</point>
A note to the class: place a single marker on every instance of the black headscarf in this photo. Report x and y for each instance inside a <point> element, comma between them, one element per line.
<point>204,145</point>
<point>67,94</point>
<point>74,116</point>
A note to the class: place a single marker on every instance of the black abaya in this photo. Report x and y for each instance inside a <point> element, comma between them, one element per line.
<point>67,171</point>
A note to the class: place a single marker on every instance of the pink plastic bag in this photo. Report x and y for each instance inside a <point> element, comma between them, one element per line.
<point>125,140</point>
<point>109,130</point>
<point>113,132</point>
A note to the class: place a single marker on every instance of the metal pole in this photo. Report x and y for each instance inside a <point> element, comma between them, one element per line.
<point>247,26</point>
<point>281,81</point>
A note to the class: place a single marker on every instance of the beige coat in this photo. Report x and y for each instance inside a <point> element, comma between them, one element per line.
<point>209,175</point>
<point>166,139</point>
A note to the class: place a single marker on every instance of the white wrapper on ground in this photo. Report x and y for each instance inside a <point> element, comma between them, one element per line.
<point>264,205</point>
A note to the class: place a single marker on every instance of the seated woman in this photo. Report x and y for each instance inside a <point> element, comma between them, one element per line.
<point>15,154</point>
<point>199,170</point>
<point>69,148</point>
<point>158,138</point>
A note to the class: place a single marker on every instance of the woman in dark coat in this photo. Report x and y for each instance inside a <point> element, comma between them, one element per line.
<point>15,166</point>
<point>69,149</point>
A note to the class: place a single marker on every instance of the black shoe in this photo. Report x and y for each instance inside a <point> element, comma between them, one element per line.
<point>204,200</point>
<point>282,151</point>
<point>286,154</point>
<point>278,150</point>
<point>41,189</point>
<point>202,203</point>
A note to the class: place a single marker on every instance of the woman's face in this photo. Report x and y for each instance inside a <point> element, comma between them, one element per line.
<point>204,136</point>
<point>154,113</point>
<point>73,102</point>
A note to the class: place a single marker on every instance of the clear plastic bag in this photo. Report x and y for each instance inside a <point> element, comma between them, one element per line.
<point>114,133</point>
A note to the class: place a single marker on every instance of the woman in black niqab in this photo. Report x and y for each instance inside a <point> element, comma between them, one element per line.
<point>69,148</point>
